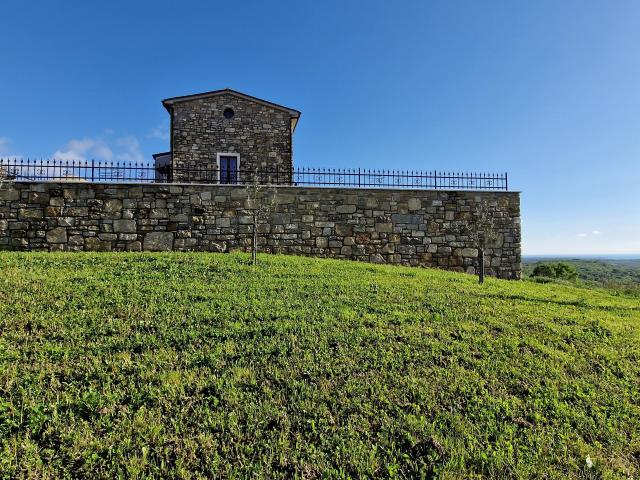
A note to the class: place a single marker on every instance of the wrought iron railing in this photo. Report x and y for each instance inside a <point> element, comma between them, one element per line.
<point>125,172</point>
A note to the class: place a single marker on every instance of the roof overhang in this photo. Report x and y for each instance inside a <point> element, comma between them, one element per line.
<point>294,114</point>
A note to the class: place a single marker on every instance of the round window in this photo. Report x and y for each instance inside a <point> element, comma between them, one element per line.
<point>228,113</point>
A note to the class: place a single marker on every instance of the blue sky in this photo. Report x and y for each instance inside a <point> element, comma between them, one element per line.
<point>548,91</point>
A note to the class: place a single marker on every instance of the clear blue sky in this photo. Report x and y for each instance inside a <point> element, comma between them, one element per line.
<point>548,91</point>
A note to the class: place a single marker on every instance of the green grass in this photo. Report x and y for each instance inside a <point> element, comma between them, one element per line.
<point>200,365</point>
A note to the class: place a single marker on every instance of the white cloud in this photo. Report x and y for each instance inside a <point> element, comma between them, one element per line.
<point>4,142</point>
<point>129,149</point>
<point>161,132</point>
<point>593,232</point>
<point>85,149</point>
<point>124,149</point>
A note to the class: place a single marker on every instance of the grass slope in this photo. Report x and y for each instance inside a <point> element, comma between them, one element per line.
<point>199,365</point>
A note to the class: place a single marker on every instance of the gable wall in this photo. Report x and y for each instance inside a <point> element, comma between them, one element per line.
<point>259,133</point>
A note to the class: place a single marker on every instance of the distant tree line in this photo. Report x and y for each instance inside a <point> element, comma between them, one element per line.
<point>619,275</point>
<point>557,270</point>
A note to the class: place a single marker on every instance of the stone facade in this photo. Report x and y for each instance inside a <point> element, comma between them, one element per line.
<point>419,227</point>
<point>259,132</point>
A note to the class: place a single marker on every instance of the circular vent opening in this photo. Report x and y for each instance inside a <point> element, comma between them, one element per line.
<point>228,113</point>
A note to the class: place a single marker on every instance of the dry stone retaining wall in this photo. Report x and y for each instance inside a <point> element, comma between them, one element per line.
<point>418,227</point>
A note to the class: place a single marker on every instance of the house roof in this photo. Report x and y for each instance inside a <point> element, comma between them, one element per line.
<point>295,114</point>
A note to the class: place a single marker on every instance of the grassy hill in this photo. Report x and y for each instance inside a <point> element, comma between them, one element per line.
<point>199,365</point>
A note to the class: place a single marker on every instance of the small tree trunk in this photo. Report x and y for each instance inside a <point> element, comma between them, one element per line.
<point>254,243</point>
<point>481,267</point>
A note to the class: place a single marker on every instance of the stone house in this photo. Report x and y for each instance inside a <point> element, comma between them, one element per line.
<point>193,199</point>
<point>222,135</point>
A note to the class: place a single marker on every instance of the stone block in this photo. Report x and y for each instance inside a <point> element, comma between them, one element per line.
<point>280,218</point>
<point>470,252</point>
<point>128,203</point>
<point>497,242</point>
<point>344,229</point>
<point>76,211</point>
<point>66,221</point>
<point>158,213</point>
<point>124,226</point>
<point>433,227</point>
<point>384,227</point>
<point>388,248</point>
<point>414,204</point>
<point>346,209</point>
<point>37,198</point>
<point>112,205</point>
<point>158,241</point>
<point>57,235</point>
<point>322,242</point>
<point>324,224</point>
<point>406,249</point>
<point>52,211</point>
<point>9,194</point>
<point>185,243</point>
<point>179,217</point>
<point>363,238</point>
<point>377,258</point>
<point>76,240</point>
<point>406,218</point>
<point>134,246</point>
<point>30,214</point>
<point>69,194</point>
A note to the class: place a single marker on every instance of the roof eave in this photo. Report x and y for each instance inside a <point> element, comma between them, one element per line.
<point>168,102</point>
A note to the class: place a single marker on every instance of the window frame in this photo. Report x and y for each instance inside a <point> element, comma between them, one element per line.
<point>218,168</point>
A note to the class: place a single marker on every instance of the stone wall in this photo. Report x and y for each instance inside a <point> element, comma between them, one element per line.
<point>260,134</point>
<point>419,227</point>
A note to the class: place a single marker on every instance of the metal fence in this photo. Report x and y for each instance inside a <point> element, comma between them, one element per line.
<point>124,172</point>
